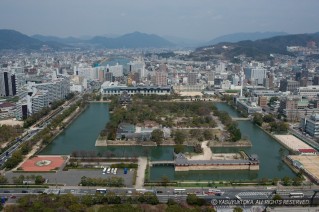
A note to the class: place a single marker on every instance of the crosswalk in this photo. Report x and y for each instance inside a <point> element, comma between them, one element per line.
<point>176,198</point>
<point>254,193</point>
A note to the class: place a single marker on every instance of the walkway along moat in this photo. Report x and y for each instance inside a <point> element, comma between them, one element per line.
<point>83,132</point>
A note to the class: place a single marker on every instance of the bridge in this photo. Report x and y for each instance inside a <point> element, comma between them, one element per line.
<point>240,119</point>
<point>162,163</point>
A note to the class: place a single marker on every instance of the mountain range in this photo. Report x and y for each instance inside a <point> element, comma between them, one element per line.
<point>250,44</point>
<point>258,49</point>
<point>236,37</point>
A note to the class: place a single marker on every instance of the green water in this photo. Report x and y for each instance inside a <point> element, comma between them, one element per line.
<point>83,132</point>
<point>264,146</point>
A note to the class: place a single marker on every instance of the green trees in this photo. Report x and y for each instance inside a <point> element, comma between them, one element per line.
<point>208,135</point>
<point>14,160</point>
<point>157,136</point>
<point>280,127</point>
<point>231,126</point>
<point>8,133</point>
<point>286,181</point>
<point>238,209</point>
<point>198,148</point>
<point>164,180</point>
<point>3,180</point>
<point>277,197</point>
<point>179,137</point>
<point>192,199</point>
<point>258,119</point>
<point>39,180</point>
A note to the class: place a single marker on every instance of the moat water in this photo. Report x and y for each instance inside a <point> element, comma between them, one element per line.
<point>83,132</point>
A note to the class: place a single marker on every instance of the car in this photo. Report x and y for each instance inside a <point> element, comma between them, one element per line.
<point>6,191</point>
<point>39,192</point>
<point>13,197</point>
<point>24,191</point>
<point>159,192</point>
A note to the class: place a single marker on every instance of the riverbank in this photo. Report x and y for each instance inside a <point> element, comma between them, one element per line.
<point>67,121</point>
<point>103,142</point>
<point>240,143</point>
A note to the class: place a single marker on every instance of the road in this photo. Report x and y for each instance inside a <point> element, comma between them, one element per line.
<point>33,131</point>
<point>228,197</point>
<point>295,131</point>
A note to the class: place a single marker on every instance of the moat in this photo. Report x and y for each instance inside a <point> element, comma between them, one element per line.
<point>83,132</point>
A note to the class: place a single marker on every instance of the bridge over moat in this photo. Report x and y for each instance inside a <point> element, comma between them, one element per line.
<point>162,163</point>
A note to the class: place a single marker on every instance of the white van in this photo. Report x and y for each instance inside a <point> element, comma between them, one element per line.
<point>108,170</point>
<point>115,171</point>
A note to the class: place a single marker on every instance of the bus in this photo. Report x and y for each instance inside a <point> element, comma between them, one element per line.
<point>179,191</point>
<point>101,191</point>
<point>296,195</point>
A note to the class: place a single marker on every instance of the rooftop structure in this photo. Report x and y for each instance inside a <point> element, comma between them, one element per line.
<point>248,105</point>
<point>113,88</point>
<point>184,164</point>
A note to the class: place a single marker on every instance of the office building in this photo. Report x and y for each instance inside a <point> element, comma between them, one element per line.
<point>288,85</point>
<point>192,78</point>
<point>311,124</point>
<point>255,74</point>
<point>7,84</point>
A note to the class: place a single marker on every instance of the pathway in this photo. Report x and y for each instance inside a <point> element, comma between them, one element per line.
<point>207,153</point>
<point>140,176</point>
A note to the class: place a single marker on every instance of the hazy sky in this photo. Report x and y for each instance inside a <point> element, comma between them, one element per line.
<point>196,19</point>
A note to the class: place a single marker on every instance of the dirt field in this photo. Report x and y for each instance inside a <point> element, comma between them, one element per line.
<point>292,142</point>
<point>310,163</point>
<point>11,122</point>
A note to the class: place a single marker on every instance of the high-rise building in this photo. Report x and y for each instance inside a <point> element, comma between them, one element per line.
<point>161,78</point>
<point>288,85</point>
<point>255,74</point>
<point>109,76</point>
<point>192,78</point>
<point>117,70</point>
<point>7,84</point>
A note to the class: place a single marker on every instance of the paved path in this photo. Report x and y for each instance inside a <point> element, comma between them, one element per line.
<point>142,163</point>
<point>206,155</point>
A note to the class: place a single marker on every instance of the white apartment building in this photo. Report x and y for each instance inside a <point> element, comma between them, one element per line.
<point>255,74</point>
<point>38,96</point>
<point>116,70</point>
<point>309,91</point>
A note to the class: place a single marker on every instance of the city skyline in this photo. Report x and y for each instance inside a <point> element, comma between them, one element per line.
<point>185,19</point>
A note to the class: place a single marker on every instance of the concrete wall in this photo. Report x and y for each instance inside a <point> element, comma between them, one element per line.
<point>223,167</point>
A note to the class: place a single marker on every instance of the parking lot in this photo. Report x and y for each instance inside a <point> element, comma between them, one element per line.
<point>72,177</point>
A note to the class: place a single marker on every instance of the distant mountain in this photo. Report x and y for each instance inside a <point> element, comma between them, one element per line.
<point>252,36</point>
<point>259,49</point>
<point>11,39</point>
<point>131,40</point>
<point>68,40</point>
<point>183,42</point>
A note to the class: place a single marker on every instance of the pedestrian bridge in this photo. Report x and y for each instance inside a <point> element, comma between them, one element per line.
<point>162,163</point>
<point>240,119</point>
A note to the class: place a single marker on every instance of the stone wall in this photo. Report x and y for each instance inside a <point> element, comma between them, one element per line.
<point>215,167</point>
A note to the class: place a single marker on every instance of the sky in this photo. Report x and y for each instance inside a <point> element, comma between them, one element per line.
<point>194,19</point>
